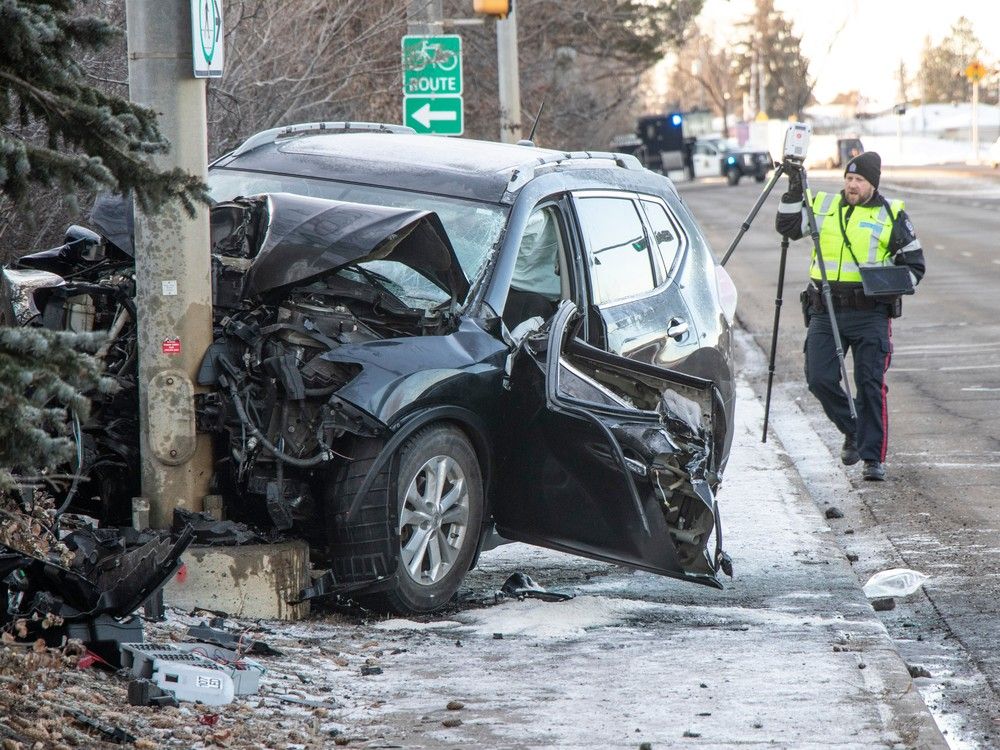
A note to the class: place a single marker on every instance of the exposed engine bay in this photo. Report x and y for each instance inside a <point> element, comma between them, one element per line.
<point>282,299</point>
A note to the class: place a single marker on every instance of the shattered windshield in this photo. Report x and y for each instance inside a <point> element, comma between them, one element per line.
<point>472,227</point>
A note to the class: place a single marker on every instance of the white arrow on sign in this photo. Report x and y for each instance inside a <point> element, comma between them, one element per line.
<point>425,115</point>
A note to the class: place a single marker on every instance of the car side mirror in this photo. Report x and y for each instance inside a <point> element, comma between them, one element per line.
<point>80,243</point>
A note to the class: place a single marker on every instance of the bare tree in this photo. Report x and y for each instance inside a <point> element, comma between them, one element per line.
<point>305,61</point>
<point>314,60</point>
<point>705,74</point>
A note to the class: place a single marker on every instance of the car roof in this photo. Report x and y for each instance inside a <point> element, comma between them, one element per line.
<point>459,167</point>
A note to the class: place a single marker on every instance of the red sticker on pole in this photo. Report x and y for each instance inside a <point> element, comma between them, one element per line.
<point>172,346</point>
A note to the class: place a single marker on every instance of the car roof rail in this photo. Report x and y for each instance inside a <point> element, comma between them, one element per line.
<point>625,161</point>
<point>266,137</point>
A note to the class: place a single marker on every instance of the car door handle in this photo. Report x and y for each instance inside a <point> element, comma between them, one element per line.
<point>677,329</point>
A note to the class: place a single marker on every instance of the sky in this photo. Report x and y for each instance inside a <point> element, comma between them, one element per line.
<point>854,45</point>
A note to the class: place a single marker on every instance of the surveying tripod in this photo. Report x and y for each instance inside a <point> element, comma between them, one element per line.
<point>787,167</point>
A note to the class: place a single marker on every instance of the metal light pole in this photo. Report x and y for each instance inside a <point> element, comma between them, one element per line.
<point>172,265</point>
<point>975,121</point>
<point>423,17</point>
<point>509,78</point>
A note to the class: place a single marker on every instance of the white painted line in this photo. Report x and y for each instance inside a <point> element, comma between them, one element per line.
<point>945,347</point>
<point>969,367</point>
<point>979,389</point>
<point>975,454</point>
<point>966,254</point>
<point>961,466</point>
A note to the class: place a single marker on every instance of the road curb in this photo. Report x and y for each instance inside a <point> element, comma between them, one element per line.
<point>813,467</point>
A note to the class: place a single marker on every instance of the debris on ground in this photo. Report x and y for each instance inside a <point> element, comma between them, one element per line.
<point>894,582</point>
<point>916,670</point>
<point>883,604</point>
<point>240,642</point>
<point>210,531</point>
<point>521,586</point>
<point>61,578</point>
<point>834,512</point>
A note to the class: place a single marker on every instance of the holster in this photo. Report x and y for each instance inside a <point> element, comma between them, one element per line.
<point>806,304</point>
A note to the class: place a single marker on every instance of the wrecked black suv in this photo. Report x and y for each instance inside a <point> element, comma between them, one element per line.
<point>421,340</point>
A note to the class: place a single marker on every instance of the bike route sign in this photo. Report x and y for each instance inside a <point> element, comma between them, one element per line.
<point>206,38</point>
<point>432,84</point>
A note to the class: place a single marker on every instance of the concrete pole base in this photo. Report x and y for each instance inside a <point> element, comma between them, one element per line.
<point>253,581</point>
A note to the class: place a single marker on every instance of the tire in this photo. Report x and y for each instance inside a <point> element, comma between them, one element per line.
<point>733,176</point>
<point>433,547</point>
<point>760,177</point>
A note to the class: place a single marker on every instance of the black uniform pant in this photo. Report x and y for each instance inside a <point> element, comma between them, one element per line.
<point>867,335</point>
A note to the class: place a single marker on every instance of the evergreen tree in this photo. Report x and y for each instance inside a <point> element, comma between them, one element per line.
<point>771,55</point>
<point>57,129</point>
<point>43,376</point>
<point>942,67</point>
<point>91,139</point>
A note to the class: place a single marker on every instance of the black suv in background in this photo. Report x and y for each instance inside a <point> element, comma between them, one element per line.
<point>421,339</point>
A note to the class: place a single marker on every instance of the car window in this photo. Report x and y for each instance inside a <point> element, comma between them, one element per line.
<point>537,266</point>
<point>666,236</point>
<point>620,264</point>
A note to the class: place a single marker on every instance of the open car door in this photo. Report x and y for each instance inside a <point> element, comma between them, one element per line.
<point>610,458</point>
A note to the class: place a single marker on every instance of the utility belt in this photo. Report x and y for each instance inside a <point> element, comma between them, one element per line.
<point>847,299</point>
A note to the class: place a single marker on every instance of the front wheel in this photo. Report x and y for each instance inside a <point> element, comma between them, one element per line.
<point>439,497</point>
<point>733,176</point>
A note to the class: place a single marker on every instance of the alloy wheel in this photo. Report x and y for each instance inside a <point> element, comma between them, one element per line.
<point>434,519</point>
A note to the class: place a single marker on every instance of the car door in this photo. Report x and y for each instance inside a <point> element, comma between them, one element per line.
<point>636,309</point>
<point>608,458</point>
<point>706,160</point>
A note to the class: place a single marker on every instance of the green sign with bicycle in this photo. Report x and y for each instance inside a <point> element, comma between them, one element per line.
<point>432,84</point>
<point>432,65</point>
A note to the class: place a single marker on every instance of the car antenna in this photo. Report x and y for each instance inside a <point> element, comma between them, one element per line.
<point>531,135</point>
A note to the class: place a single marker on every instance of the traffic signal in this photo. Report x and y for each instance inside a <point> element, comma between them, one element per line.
<point>495,8</point>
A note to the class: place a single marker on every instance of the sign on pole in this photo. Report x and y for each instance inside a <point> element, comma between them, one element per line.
<point>206,38</point>
<point>441,115</point>
<point>975,71</point>
<point>432,84</point>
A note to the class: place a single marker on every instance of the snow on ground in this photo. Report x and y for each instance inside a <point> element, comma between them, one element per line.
<point>789,654</point>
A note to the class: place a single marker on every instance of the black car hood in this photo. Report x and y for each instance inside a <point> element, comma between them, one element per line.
<point>309,237</point>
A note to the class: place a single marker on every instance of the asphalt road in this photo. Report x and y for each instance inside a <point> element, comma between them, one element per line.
<point>939,511</point>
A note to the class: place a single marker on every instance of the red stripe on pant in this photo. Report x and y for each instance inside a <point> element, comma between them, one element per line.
<point>885,405</point>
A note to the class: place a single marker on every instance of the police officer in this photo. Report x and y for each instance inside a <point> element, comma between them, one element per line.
<point>857,226</point>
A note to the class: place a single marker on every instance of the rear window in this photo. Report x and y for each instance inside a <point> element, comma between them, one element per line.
<point>620,264</point>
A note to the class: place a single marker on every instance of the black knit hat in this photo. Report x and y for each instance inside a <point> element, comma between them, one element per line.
<point>868,165</point>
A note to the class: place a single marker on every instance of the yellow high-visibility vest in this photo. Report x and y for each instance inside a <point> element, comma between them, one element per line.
<point>868,231</point>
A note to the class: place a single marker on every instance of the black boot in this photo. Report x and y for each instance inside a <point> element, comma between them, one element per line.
<point>849,453</point>
<point>874,471</point>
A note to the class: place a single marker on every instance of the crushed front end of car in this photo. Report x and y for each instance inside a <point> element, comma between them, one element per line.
<point>337,333</point>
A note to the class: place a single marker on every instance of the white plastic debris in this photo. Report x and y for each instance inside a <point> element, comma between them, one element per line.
<point>895,582</point>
